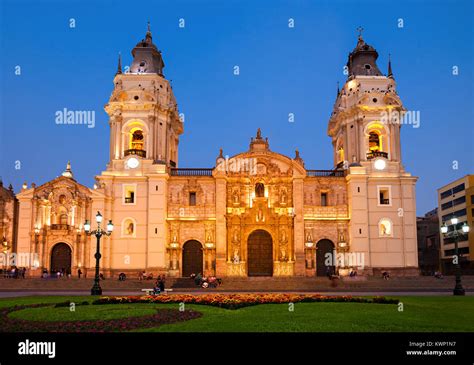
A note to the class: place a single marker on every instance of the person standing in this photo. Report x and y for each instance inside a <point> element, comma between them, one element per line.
<point>162,283</point>
<point>79,273</point>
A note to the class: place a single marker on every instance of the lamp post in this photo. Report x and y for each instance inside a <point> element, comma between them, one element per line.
<point>98,233</point>
<point>458,289</point>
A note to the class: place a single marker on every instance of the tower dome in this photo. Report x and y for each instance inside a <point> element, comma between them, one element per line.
<point>147,57</point>
<point>362,60</point>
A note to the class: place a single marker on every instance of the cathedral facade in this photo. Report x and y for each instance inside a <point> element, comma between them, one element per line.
<point>258,213</point>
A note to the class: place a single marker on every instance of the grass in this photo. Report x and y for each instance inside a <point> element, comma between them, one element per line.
<point>83,313</point>
<point>420,314</point>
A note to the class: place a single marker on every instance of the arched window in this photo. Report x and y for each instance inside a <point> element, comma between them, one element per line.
<point>137,140</point>
<point>259,190</point>
<point>374,141</point>
<point>63,219</point>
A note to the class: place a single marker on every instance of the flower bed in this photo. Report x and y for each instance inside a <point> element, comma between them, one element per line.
<point>235,301</point>
<point>162,316</point>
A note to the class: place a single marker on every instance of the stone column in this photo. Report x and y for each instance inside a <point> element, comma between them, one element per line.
<point>298,226</point>
<point>221,231</point>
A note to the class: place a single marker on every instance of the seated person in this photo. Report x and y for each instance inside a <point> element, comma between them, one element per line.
<point>156,288</point>
<point>198,279</point>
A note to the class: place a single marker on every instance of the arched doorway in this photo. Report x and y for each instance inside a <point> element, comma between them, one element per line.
<point>192,258</point>
<point>61,256</point>
<point>322,249</point>
<point>260,253</point>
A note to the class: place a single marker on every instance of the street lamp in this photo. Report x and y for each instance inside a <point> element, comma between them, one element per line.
<point>98,233</point>
<point>458,289</point>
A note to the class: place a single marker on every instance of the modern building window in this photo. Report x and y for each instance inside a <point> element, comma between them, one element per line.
<point>384,195</point>
<point>457,213</point>
<point>459,200</point>
<point>192,198</point>
<point>472,199</point>
<point>459,188</point>
<point>446,205</point>
<point>461,251</point>
<point>446,193</point>
<point>324,199</point>
<point>129,192</point>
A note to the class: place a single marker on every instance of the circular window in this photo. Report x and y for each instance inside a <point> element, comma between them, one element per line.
<point>374,100</point>
<point>367,66</point>
<point>136,97</point>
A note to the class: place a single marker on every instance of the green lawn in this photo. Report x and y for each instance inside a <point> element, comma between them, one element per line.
<point>426,314</point>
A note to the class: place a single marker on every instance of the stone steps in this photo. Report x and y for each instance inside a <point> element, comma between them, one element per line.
<point>245,284</point>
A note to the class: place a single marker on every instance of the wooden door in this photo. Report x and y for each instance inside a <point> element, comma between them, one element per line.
<point>260,254</point>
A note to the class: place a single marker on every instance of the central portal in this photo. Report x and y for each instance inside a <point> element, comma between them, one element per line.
<point>260,253</point>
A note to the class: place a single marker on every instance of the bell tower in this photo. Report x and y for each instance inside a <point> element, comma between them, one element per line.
<point>144,119</point>
<point>365,122</point>
<point>144,134</point>
<point>365,131</point>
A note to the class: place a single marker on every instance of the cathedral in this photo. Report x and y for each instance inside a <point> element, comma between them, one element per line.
<point>258,213</point>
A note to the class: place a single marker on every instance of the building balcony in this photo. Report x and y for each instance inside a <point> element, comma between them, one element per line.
<point>140,153</point>
<point>374,154</point>
<point>58,227</point>
<point>191,172</point>
<point>325,173</point>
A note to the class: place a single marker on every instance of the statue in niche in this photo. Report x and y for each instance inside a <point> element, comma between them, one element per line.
<point>235,197</point>
<point>236,257</point>
<point>175,237</point>
<point>260,217</point>
<point>235,237</point>
<point>283,197</point>
<point>283,238</point>
<point>130,229</point>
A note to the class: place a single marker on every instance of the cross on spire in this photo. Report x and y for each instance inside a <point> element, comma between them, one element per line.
<point>360,30</point>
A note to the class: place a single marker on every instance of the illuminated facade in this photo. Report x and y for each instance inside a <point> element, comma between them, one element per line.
<point>258,213</point>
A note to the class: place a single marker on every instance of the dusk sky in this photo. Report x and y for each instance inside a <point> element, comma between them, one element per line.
<point>282,70</point>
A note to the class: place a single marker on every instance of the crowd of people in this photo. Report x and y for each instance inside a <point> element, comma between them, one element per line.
<point>206,282</point>
<point>14,272</point>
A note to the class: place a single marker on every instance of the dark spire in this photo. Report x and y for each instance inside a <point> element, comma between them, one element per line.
<point>148,32</point>
<point>390,74</point>
<point>337,94</point>
<point>119,66</point>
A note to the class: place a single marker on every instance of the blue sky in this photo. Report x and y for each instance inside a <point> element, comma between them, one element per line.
<point>282,70</point>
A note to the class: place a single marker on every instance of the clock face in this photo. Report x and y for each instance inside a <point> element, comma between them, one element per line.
<point>380,164</point>
<point>132,163</point>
